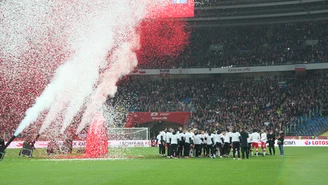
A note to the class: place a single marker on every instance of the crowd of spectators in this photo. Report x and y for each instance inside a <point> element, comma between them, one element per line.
<point>218,102</point>
<point>306,94</point>
<point>253,45</point>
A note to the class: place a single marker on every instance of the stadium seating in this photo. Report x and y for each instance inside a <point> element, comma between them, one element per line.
<point>218,102</point>
<point>309,126</point>
<point>252,45</point>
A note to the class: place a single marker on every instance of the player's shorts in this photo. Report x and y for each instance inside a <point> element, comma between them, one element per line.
<point>255,145</point>
<point>263,144</point>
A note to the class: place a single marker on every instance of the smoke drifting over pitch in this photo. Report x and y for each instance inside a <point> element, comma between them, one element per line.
<point>98,40</point>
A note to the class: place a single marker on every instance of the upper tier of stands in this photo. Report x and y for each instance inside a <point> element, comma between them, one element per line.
<point>252,45</point>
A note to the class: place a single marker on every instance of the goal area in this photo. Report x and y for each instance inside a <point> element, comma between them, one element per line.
<point>120,134</point>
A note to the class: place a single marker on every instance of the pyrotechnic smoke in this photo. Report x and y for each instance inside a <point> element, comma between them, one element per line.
<point>100,37</point>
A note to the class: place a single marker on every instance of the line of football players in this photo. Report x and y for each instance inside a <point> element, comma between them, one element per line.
<point>187,143</point>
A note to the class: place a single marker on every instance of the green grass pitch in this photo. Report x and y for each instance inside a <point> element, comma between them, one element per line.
<point>299,166</point>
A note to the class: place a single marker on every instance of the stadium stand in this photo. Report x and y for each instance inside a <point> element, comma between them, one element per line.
<point>218,102</point>
<point>233,33</point>
<point>260,45</point>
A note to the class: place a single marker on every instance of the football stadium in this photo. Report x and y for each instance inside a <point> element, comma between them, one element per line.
<point>163,92</point>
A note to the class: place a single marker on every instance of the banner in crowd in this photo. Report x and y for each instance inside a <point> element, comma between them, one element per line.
<point>81,144</point>
<point>231,70</point>
<point>306,142</point>
<point>137,118</point>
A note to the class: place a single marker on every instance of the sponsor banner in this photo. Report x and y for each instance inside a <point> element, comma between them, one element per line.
<point>300,67</point>
<point>240,70</point>
<point>164,72</point>
<point>306,137</point>
<point>129,143</point>
<point>227,70</point>
<point>136,118</point>
<point>147,143</point>
<point>305,142</point>
<point>79,144</point>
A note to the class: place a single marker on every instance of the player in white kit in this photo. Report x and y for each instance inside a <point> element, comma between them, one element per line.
<point>264,140</point>
<point>255,139</point>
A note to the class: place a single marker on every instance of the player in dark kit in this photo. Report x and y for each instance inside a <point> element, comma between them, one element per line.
<point>271,140</point>
<point>244,144</point>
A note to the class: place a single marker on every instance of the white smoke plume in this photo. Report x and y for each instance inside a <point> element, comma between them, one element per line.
<point>99,35</point>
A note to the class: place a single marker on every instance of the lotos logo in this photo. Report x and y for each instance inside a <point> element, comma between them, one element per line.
<point>307,142</point>
<point>154,114</point>
<point>316,143</point>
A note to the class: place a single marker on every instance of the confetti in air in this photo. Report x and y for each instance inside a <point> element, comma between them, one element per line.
<point>81,48</point>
